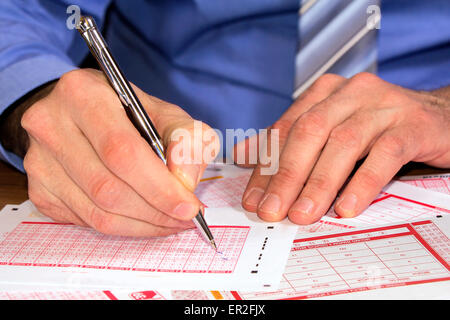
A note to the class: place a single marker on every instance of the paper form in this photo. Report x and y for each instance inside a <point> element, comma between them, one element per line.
<point>396,203</point>
<point>326,224</point>
<point>400,202</point>
<point>410,202</point>
<point>44,253</point>
<point>405,260</point>
<point>438,182</point>
<point>223,186</point>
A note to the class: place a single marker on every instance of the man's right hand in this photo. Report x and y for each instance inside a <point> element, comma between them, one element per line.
<point>88,165</point>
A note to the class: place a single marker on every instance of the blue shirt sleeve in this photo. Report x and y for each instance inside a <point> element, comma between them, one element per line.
<point>36,47</point>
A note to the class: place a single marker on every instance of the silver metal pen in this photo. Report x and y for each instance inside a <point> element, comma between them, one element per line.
<point>98,47</point>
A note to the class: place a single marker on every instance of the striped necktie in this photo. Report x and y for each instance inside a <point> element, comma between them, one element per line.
<point>335,36</point>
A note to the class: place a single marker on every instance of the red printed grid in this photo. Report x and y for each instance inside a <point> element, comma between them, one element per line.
<point>226,192</point>
<point>393,209</point>
<point>65,245</point>
<point>436,184</point>
<point>322,226</point>
<point>436,238</point>
<point>359,261</point>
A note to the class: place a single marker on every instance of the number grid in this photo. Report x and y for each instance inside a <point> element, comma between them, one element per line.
<point>66,245</point>
<point>363,260</point>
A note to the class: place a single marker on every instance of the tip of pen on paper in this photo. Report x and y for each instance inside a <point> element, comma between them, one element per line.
<point>213,245</point>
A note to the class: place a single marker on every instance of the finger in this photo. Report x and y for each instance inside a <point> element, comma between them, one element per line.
<point>50,205</point>
<point>258,182</point>
<point>346,144</point>
<point>305,142</point>
<point>76,200</point>
<point>389,153</point>
<point>192,146</point>
<point>322,88</point>
<point>106,190</point>
<point>126,154</point>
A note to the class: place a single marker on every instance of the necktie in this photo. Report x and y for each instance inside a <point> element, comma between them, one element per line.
<point>336,36</point>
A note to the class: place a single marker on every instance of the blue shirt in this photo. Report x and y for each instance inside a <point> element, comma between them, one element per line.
<point>229,63</point>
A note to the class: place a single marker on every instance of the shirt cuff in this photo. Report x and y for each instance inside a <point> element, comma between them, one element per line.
<point>21,78</point>
<point>12,159</point>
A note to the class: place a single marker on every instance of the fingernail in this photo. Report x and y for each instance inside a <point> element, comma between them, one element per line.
<point>254,197</point>
<point>347,204</point>
<point>185,210</point>
<point>189,175</point>
<point>303,206</point>
<point>271,204</point>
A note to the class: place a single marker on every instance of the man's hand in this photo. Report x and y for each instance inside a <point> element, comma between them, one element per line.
<point>329,128</point>
<point>88,165</point>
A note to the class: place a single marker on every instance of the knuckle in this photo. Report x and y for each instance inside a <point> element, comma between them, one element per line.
<point>283,127</point>
<point>319,182</point>
<point>117,152</point>
<point>30,163</point>
<point>368,179</point>
<point>36,120</point>
<point>105,192</point>
<point>326,80</point>
<point>40,124</point>
<point>392,146</point>
<point>312,124</point>
<point>364,79</point>
<point>286,175</point>
<point>28,119</point>
<point>346,137</point>
<point>93,90</point>
<point>101,221</point>
<point>72,80</point>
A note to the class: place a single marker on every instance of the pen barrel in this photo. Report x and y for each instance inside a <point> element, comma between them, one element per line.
<point>134,109</point>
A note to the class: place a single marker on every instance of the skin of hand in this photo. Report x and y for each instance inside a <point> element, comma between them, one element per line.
<point>333,125</point>
<point>88,165</point>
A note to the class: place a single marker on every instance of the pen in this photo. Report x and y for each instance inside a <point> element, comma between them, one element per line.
<point>99,49</point>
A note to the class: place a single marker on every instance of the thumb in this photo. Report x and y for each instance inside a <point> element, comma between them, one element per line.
<point>191,147</point>
<point>190,144</point>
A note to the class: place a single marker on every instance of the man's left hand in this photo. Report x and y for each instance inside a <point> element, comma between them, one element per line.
<point>331,126</point>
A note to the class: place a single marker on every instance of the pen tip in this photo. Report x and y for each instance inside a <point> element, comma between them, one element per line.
<point>213,244</point>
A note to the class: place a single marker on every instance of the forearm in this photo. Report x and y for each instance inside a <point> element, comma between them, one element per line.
<point>12,136</point>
